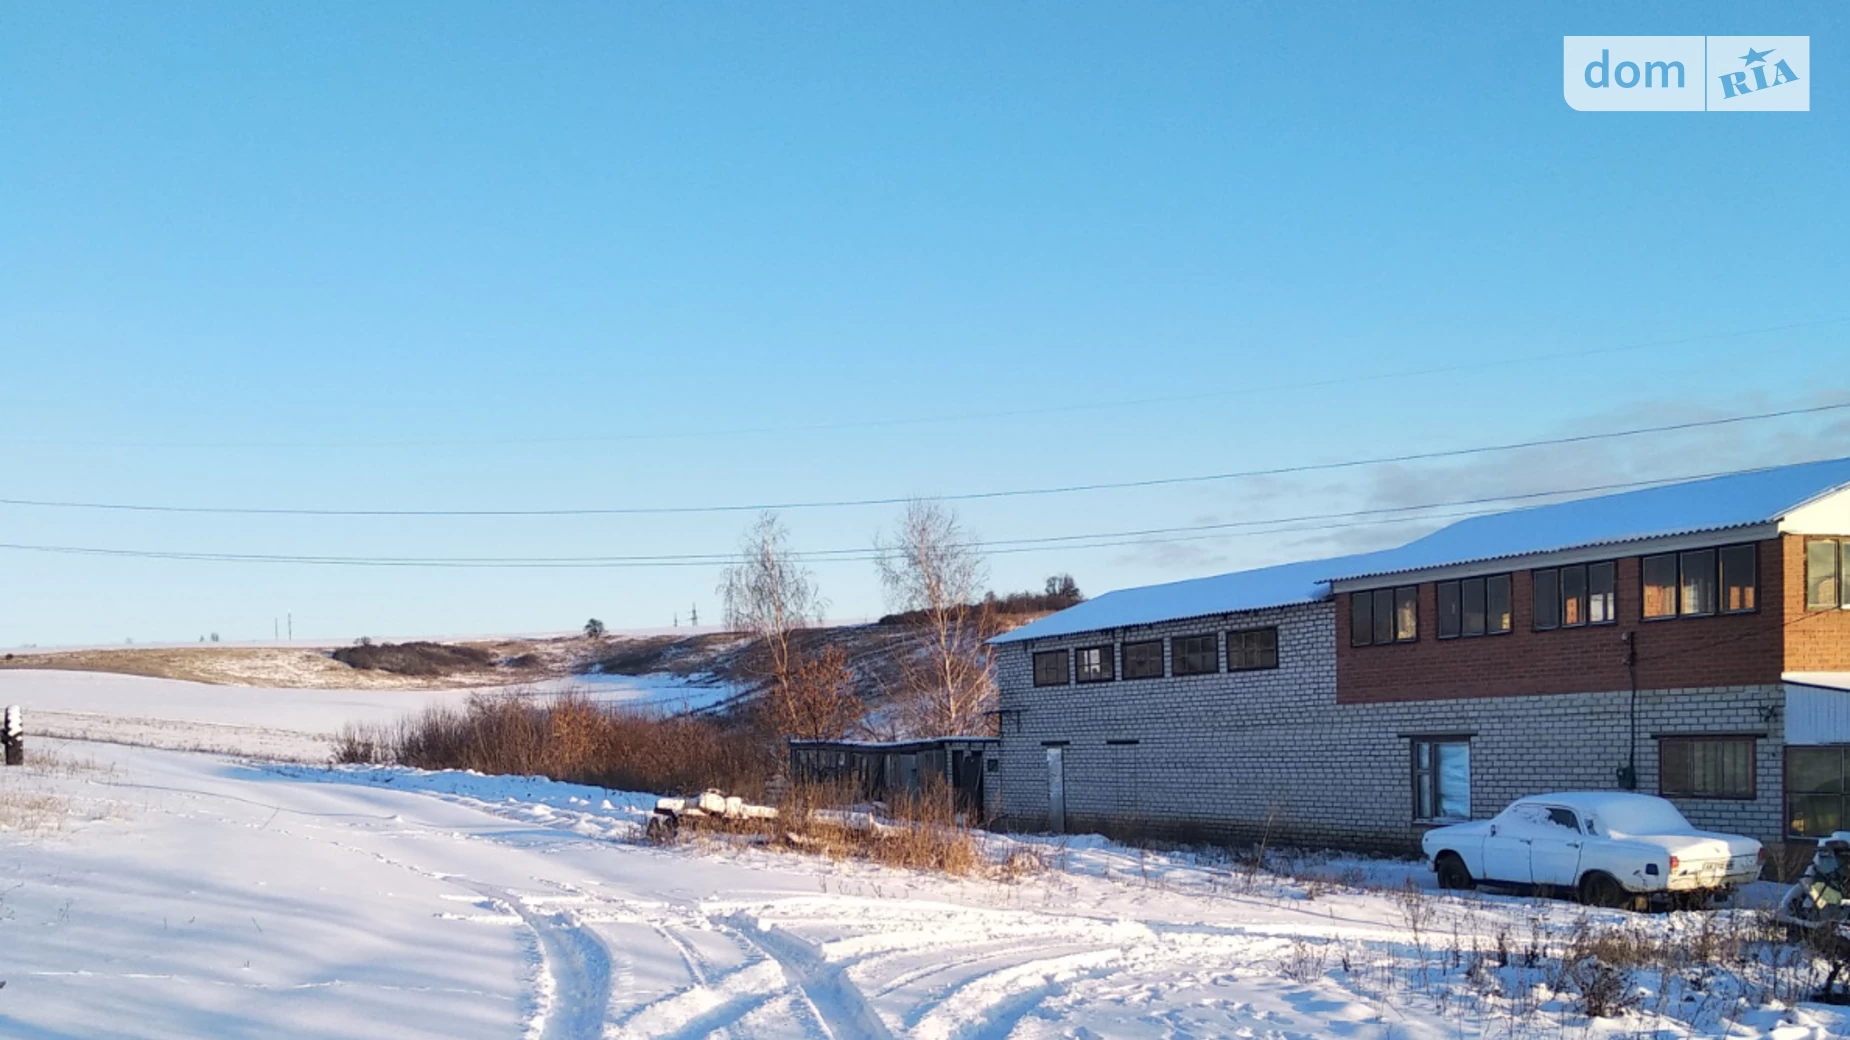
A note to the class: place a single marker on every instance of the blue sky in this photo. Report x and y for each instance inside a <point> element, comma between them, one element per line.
<point>430,256</point>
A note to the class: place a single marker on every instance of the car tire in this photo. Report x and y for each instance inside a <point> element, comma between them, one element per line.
<point>1598,889</point>
<point>1452,872</point>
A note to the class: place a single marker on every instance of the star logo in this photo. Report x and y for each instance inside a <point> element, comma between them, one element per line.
<point>1754,57</point>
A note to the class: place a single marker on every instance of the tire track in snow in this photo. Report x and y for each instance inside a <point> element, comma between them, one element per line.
<point>576,990</point>
<point>841,1007</point>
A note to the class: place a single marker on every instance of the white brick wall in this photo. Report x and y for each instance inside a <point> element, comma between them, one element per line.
<point>1235,756</point>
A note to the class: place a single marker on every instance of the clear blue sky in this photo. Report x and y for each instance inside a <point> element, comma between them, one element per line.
<point>464,255</point>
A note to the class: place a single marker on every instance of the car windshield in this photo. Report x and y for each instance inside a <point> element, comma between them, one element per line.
<point>1640,816</point>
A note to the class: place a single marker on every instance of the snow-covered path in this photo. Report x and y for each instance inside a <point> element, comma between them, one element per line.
<point>190,895</point>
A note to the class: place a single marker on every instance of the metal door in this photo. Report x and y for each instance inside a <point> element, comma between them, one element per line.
<point>1056,790</point>
<point>1554,852</point>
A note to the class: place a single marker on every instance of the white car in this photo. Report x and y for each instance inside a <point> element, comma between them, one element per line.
<point>1613,848</point>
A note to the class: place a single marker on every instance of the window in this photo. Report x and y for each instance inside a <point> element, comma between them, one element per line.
<point>1143,660</point>
<point>1197,655</point>
<point>1092,664</point>
<point>1050,668</point>
<point>1384,616</point>
<point>1660,586</point>
<point>1698,589</point>
<point>1602,579</point>
<point>1474,606</point>
<point>1441,779</point>
<point>1252,649</point>
<point>1705,767</point>
<point>1826,562</point>
<point>1570,597</point>
<point>1738,564</point>
<point>1564,818</point>
<point>1815,791</point>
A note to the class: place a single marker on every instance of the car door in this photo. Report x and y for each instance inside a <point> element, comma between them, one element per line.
<point>1506,847</point>
<point>1554,848</point>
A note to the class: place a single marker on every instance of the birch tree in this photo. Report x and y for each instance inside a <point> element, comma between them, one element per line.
<point>768,594</point>
<point>929,564</point>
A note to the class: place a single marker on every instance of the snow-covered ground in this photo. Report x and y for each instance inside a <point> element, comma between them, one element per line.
<point>164,894</point>
<point>295,724</point>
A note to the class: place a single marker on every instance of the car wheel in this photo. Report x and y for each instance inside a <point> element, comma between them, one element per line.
<point>1602,890</point>
<point>1452,872</point>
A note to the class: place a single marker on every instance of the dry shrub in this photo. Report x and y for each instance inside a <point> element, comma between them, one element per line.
<point>921,831</point>
<point>573,739</point>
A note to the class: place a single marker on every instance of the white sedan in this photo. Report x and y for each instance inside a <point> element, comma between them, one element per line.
<point>1613,848</point>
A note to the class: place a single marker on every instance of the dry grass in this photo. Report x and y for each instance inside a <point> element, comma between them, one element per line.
<point>25,808</point>
<point>920,831</point>
<point>573,739</point>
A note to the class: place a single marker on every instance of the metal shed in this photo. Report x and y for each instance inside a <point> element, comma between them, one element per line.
<point>882,769</point>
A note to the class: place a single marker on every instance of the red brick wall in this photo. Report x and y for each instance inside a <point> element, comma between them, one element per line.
<point>1816,640</point>
<point>1727,650</point>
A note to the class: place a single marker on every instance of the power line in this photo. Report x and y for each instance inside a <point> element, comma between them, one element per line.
<point>1424,456</point>
<point>1378,516</point>
<point>964,417</point>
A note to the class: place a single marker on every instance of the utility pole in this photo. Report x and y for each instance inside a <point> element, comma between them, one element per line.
<point>291,629</point>
<point>693,615</point>
<point>276,630</point>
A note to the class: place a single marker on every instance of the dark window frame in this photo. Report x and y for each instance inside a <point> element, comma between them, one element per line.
<point>1393,595</point>
<point>1559,584</point>
<point>1066,667</point>
<point>1786,792</point>
<point>1108,657</point>
<point>1242,633</point>
<point>1714,572</point>
<point>1840,563</point>
<point>1177,656</point>
<point>1430,776</point>
<point>1753,764</point>
<point>1161,657</point>
<point>1462,597</point>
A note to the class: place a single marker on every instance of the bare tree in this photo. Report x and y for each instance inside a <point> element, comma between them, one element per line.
<point>930,565</point>
<point>819,701</point>
<point>770,595</point>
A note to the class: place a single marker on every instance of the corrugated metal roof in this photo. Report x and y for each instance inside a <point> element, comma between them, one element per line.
<point>1696,506</point>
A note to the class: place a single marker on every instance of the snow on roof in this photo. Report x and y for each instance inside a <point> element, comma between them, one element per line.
<point>1822,680</point>
<point>1716,503</point>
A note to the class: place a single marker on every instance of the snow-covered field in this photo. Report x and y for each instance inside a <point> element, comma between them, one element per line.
<point>166,894</point>
<point>294,724</point>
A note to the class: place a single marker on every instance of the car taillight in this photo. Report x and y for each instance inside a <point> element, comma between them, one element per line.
<point>1674,863</point>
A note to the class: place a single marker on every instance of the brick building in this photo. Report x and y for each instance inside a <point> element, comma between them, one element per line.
<point>1690,639</point>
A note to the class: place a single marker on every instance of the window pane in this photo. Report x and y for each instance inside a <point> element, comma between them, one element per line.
<point>1472,592</point>
<point>1361,619</point>
<point>1547,599</point>
<point>1197,655</point>
<point>1454,781</point>
<point>1601,578</point>
<point>1050,668</point>
<point>1573,595</point>
<point>1698,581</point>
<point>1843,587</point>
<point>1384,615</point>
<point>1814,815</point>
<point>1451,618</point>
<point>1673,766</point>
<point>1497,603</point>
<point>1738,578</point>
<point>1815,770</point>
<point>1660,586</point>
<point>1258,648</point>
<point>1821,574</point>
<point>1143,660</point>
<point>1407,613</point>
<point>1094,664</point>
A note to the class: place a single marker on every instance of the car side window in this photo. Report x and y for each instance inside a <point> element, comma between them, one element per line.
<point>1564,818</point>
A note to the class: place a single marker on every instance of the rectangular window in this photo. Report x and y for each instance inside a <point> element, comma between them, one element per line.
<point>1698,589</point>
<point>1815,791</point>
<point>1406,614</point>
<point>1050,668</point>
<point>1252,649</point>
<point>1574,596</point>
<point>1384,616</point>
<point>1602,578</point>
<point>1451,610</point>
<point>1196,655</point>
<point>1441,780</point>
<point>1472,592</point>
<point>1738,565</point>
<point>1660,586</point>
<point>1497,617</point>
<point>1823,574</point>
<point>1705,767</point>
<point>1092,664</point>
<point>1547,598</point>
<point>1143,660</point>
